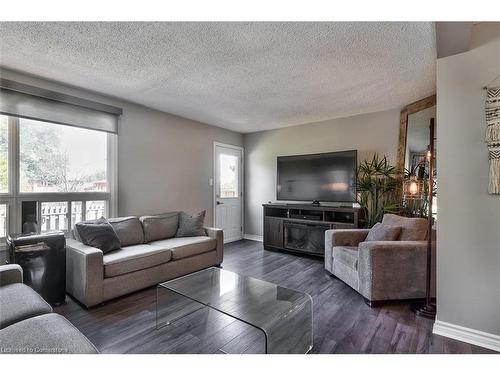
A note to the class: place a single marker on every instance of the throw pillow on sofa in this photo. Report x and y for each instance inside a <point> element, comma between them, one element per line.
<point>191,225</point>
<point>128,229</point>
<point>159,227</point>
<point>381,232</point>
<point>99,234</point>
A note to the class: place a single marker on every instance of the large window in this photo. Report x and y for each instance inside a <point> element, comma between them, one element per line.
<point>57,158</point>
<point>66,170</point>
<point>3,220</point>
<point>4,154</point>
<point>54,216</point>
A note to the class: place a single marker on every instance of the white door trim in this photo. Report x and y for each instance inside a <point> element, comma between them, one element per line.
<point>214,191</point>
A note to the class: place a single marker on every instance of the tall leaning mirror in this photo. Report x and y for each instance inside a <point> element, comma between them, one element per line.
<point>413,157</point>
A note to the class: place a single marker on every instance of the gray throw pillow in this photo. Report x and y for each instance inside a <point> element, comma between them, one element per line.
<point>382,232</point>
<point>191,225</point>
<point>128,229</point>
<point>159,227</point>
<point>99,234</point>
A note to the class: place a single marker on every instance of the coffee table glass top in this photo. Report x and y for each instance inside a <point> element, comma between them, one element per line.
<point>282,314</point>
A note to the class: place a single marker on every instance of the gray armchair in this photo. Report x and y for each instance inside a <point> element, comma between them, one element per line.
<point>28,324</point>
<point>10,274</point>
<point>381,270</point>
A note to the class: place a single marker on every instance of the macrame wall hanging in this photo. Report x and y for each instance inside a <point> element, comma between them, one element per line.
<point>493,137</point>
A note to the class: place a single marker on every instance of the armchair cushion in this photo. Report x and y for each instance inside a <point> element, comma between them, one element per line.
<point>48,333</point>
<point>18,302</point>
<point>382,232</point>
<point>412,228</point>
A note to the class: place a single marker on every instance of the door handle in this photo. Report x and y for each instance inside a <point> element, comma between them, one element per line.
<point>219,202</point>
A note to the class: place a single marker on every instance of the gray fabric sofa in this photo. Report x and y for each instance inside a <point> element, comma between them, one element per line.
<point>93,277</point>
<point>381,270</point>
<point>27,323</point>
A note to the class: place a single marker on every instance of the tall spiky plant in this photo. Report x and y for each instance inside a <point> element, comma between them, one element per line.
<point>377,184</point>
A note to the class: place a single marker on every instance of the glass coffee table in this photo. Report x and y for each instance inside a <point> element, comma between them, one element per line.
<point>283,316</point>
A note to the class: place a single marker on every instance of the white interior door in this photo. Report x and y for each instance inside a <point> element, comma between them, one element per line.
<point>228,189</point>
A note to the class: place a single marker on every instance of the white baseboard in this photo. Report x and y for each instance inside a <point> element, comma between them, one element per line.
<point>468,335</point>
<point>232,240</point>
<point>253,237</point>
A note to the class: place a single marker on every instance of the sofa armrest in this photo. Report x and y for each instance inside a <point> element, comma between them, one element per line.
<point>11,274</point>
<point>218,235</point>
<point>84,272</point>
<point>392,270</point>
<point>344,237</point>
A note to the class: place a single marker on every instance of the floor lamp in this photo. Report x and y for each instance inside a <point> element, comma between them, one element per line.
<point>427,308</point>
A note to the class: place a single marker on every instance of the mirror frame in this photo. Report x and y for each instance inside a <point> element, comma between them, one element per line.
<point>415,107</point>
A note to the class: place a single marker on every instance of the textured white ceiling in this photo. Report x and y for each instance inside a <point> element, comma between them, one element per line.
<point>241,76</point>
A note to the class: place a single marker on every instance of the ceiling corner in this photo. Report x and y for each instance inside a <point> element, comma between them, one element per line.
<point>453,38</point>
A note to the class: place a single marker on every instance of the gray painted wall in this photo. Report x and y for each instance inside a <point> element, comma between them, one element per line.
<point>368,133</point>
<point>164,161</point>
<point>468,256</point>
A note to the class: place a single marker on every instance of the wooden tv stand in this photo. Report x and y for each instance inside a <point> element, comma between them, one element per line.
<point>301,227</point>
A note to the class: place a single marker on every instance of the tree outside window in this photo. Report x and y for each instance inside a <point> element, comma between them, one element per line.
<point>57,158</point>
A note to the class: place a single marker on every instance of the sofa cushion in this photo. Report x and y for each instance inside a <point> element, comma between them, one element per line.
<point>128,229</point>
<point>134,258</point>
<point>49,333</point>
<point>382,232</point>
<point>191,225</point>
<point>159,227</point>
<point>187,246</point>
<point>412,228</point>
<point>347,255</point>
<point>18,302</point>
<point>99,234</point>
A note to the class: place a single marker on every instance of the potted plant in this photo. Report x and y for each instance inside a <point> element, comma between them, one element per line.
<point>377,185</point>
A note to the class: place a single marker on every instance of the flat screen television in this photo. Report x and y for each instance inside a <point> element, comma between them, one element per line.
<point>329,177</point>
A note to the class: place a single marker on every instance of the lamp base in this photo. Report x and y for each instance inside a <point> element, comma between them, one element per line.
<point>425,310</point>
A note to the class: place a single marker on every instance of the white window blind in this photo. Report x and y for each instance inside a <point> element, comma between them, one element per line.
<point>20,100</point>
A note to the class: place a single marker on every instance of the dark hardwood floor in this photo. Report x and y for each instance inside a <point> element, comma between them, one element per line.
<point>343,323</point>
